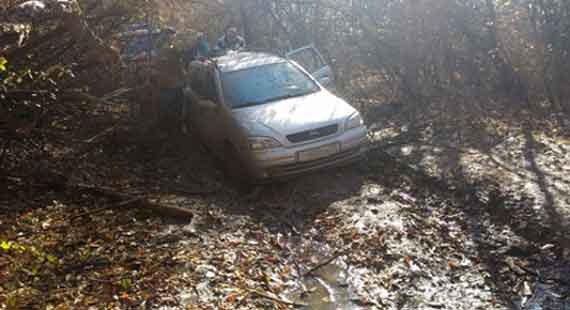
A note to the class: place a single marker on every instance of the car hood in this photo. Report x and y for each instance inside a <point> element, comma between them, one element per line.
<point>294,114</point>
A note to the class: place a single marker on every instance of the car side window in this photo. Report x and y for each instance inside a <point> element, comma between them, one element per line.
<point>308,59</point>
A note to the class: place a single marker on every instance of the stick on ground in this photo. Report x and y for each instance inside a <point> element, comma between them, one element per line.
<point>139,202</point>
<point>276,299</point>
<point>324,263</point>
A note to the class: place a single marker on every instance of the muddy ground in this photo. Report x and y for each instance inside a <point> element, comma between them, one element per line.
<point>399,230</point>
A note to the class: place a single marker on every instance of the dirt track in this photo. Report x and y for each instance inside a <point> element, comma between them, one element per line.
<point>410,241</point>
<point>382,235</point>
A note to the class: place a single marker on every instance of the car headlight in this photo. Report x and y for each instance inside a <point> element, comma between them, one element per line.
<point>262,143</point>
<point>354,121</point>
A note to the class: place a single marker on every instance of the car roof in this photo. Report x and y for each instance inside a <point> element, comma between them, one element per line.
<point>244,60</point>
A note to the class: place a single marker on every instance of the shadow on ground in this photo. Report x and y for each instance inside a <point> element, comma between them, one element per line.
<point>508,177</point>
<point>501,234</point>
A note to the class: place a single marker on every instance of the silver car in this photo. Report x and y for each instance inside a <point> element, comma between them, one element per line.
<point>266,117</point>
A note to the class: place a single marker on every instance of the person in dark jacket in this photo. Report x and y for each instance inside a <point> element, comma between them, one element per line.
<point>199,51</point>
<point>202,48</point>
<point>231,40</point>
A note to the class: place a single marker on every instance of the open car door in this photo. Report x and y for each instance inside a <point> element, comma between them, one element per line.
<point>311,60</point>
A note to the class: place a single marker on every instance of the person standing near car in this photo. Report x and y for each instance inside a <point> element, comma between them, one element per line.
<point>202,48</point>
<point>199,50</point>
<point>231,40</point>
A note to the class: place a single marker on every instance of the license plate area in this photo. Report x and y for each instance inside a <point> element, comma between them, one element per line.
<point>318,153</point>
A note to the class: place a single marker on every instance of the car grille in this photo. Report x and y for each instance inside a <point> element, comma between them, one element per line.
<point>313,134</point>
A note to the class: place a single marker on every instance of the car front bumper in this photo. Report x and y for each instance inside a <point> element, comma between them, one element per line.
<point>286,161</point>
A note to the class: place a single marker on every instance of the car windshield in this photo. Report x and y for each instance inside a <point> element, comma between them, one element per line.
<point>267,83</point>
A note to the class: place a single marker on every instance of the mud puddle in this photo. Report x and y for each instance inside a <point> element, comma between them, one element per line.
<point>327,290</point>
<point>330,287</point>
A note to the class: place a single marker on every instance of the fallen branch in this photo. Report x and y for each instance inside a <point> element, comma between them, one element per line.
<point>276,299</point>
<point>324,263</point>
<point>102,133</point>
<point>88,145</point>
<point>116,93</point>
<point>112,206</point>
<point>79,95</point>
<point>143,203</point>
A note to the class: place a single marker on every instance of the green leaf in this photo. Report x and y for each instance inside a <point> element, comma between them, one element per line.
<point>3,62</point>
<point>5,245</point>
<point>12,301</point>
<point>52,259</point>
<point>125,284</point>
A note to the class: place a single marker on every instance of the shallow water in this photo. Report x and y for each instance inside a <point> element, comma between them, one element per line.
<point>327,289</point>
